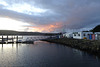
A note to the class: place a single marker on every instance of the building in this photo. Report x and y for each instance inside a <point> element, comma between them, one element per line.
<point>83,35</point>
<point>97,35</point>
<point>68,35</point>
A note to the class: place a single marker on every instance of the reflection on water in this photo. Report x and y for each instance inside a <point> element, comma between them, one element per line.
<point>82,54</point>
<point>44,54</point>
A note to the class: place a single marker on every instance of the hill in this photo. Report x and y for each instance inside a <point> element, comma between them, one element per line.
<point>10,32</point>
<point>96,29</point>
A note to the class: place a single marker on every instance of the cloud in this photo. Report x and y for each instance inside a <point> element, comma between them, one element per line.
<point>74,14</point>
<point>47,28</point>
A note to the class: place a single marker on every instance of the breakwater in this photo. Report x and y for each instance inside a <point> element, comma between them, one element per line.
<point>91,46</point>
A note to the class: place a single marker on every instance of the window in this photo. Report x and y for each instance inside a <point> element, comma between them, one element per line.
<point>74,34</point>
<point>78,34</point>
<point>83,34</point>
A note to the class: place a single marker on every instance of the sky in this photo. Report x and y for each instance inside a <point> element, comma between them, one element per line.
<point>49,15</point>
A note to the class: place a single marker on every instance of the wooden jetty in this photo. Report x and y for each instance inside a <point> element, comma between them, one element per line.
<point>13,39</point>
<point>22,37</point>
<point>4,39</point>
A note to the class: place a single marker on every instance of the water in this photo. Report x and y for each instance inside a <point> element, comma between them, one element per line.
<point>44,54</point>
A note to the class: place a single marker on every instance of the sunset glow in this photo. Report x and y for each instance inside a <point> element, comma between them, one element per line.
<point>47,28</point>
<point>10,24</point>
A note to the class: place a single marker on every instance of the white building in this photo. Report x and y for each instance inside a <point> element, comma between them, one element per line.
<point>97,35</point>
<point>82,35</point>
<point>68,35</point>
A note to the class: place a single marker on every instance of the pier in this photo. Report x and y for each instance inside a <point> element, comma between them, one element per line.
<point>7,36</point>
<point>20,38</point>
<point>9,39</point>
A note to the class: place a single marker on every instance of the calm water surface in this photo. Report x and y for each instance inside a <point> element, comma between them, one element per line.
<point>44,54</point>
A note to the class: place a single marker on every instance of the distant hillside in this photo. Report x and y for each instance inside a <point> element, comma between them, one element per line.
<point>96,29</point>
<point>4,32</point>
<point>10,32</point>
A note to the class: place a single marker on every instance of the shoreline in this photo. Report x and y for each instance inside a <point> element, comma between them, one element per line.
<point>89,46</point>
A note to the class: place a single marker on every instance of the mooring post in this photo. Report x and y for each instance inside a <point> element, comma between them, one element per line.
<point>17,38</point>
<point>7,38</point>
<point>12,39</point>
<point>2,39</point>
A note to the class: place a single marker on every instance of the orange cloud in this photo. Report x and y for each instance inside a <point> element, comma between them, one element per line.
<point>47,28</point>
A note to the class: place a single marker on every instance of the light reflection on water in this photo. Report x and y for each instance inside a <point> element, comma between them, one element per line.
<point>44,54</point>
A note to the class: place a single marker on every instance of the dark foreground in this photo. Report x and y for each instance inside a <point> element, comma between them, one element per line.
<point>90,46</point>
<point>45,54</point>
